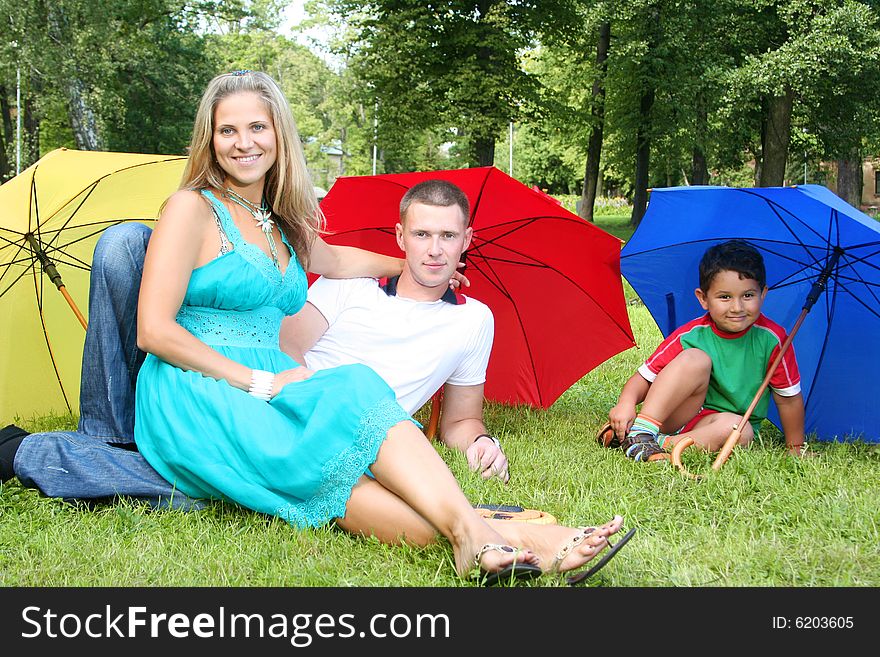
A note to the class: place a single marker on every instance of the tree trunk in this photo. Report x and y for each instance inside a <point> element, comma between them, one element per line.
<point>82,117</point>
<point>8,137</point>
<point>774,139</point>
<point>30,146</point>
<point>699,166</point>
<point>484,150</point>
<point>594,147</point>
<point>849,179</point>
<point>643,157</point>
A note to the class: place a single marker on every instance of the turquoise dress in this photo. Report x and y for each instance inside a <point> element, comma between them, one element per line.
<point>297,456</point>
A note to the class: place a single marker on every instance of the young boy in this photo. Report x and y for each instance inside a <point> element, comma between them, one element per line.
<point>702,378</point>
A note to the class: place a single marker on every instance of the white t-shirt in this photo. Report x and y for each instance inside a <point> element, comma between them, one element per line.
<point>416,346</point>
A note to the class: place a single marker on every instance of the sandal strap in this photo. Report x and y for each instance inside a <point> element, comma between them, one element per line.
<point>573,542</point>
<point>607,437</point>
<point>641,446</point>
<point>489,547</point>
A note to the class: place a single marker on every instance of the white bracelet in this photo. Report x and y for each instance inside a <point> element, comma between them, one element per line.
<point>261,384</point>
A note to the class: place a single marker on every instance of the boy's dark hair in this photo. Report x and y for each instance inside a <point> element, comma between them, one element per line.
<point>733,255</point>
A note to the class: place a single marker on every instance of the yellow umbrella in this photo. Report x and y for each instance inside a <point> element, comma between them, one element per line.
<point>50,218</point>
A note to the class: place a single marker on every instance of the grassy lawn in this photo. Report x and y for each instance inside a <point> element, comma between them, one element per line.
<point>764,520</point>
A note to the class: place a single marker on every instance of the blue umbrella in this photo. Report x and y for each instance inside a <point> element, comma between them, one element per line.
<point>801,232</point>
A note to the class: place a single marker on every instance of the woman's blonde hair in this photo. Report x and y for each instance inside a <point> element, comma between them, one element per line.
<point>289,190</point>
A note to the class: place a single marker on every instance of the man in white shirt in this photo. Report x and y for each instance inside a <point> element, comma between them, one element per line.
<point>424,343</point>
<point>414,332</point>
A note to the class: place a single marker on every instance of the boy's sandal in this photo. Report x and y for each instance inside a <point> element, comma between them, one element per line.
<point>509,574</point>
<point>607,437</point>
<point>643,447</point>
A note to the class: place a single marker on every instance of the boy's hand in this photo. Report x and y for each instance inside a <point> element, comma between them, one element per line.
<point>799,451</point>
<point>621,418</point>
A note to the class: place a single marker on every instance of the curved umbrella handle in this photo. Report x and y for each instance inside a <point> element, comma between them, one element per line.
<point>676,458</point>
<point>729,444</point>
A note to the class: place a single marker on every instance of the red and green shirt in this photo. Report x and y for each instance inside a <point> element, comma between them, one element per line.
<point>739,363</point>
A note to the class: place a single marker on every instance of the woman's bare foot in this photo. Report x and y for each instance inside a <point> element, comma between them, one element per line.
<point>559,548</point>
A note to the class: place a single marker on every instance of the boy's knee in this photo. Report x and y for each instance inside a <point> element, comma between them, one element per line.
<point>124,244</point>
<point>727,422</point>
<point>696,359</point>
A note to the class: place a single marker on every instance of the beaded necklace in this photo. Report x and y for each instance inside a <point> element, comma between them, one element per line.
<point>262,215</point>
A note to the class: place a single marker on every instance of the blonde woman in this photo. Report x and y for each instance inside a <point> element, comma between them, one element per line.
<point>222,412</point>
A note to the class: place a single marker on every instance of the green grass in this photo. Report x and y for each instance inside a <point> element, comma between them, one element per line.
<point>763,520</point>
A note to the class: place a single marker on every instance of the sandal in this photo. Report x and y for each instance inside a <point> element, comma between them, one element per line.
<point>607,437</point>
<point>509,574</point>
<point>643,447</point>
<point>574,580</point>
<point>573,542</point>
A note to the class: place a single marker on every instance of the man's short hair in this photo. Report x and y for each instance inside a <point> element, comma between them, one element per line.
<point>733,255</point>
<point>436,192</point>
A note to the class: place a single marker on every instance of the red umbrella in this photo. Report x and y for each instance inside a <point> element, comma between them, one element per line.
<point>551,279</point>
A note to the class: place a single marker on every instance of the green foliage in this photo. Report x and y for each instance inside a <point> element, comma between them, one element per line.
<point>439,67</point>
<point>123,76</point>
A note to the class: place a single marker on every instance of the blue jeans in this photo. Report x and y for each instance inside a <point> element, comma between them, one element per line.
<point>99,460</point>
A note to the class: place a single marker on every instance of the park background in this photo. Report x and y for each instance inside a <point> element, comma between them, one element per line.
<point>593,102</point>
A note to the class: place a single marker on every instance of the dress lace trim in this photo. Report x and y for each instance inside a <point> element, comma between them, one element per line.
<point>225,246</point>
<point>259,327</point>
<point>250,252</point>
<point>340,474</point>
<point>291,284</point>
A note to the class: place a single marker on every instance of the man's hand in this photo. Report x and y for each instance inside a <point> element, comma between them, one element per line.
<point>487,458</point>
<point>290,376</point>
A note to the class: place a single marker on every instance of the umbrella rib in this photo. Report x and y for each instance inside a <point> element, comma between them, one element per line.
<point>82,264</point>
<point>713,240</point>
<point>830,305</point>
<point>476,252</point>
<point>862,259</point>
<point>20,276</point>
<point>95,183</point>
<point>522,222</point>
<point>858,299</point>
<point>776,210</point>
<point>479,198</point>
<point>504,292</point>
<point>11,241</point>
<point>506,261</point>
<point>38,283</point>
<point>32,198</point>
<point>90,188</point>
<point>15,261</point>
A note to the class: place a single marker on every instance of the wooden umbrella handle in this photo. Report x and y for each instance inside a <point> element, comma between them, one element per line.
<point>73,307</point>
<point>735,435</point>
<point>680,446</point>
